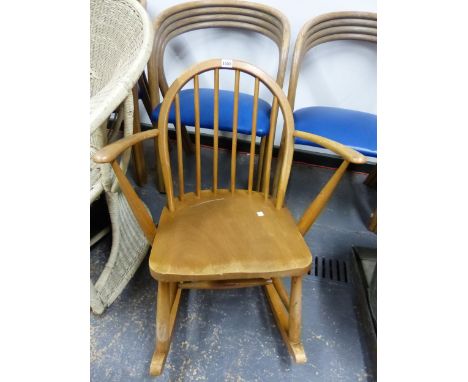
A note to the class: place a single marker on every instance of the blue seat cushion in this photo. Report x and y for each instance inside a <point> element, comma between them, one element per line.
<point>355,129</point>
<point>226,106</point>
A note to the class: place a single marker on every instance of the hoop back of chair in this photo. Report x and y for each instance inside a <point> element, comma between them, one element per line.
<point>204,14</point>
<point>333,26</point>
<point>172,97</point>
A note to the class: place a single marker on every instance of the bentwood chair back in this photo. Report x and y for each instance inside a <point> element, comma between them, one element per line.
<point>219,237</point>
<point>205,14</point>
<point>355,129</point>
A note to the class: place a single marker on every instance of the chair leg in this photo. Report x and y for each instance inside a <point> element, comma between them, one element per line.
<point>137,152</point>
<point>371,179</point>
<point>261,157</point>
<point>288,320</point>
<point>373,222</point>
<point>186,141</point>
<point>166,313</point>
<point>295,310</point>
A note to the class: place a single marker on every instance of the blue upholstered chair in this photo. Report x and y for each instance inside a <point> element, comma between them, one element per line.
<point>352,128</point>
<point>186,17</point>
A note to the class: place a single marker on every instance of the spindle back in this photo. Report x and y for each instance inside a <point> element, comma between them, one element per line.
<point>279,101</point>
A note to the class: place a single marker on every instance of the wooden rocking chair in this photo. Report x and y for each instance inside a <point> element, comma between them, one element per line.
<point>231,237</point>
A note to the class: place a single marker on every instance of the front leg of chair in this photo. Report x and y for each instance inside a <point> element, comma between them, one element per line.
<point>288,314</point>
<point>166,312</point>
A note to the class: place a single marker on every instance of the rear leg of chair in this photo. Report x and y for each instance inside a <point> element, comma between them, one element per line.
<point>288,314</point>
<point>166,313</point>
<point>137,152</point>
<point>186,141</point>
<point>261,160</point>
<point>371,179</point>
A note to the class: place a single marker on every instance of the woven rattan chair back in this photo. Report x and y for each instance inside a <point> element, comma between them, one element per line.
<point>121,37</point>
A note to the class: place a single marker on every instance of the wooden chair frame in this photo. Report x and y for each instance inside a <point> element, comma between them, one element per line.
<point>334,26</point>
<point>195,15</point>
<point>286,308</point>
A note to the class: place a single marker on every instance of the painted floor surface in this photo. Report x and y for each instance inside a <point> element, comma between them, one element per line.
<point>231,335</point>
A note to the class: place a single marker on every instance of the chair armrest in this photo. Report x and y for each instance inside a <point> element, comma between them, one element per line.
<point>345,152</point>
<point>111,152</point>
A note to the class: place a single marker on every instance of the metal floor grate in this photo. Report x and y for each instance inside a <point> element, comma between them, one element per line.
<point>330,269</point>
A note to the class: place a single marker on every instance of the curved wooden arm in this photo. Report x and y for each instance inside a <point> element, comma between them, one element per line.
<point>345,152</point>
<point>111,152</point>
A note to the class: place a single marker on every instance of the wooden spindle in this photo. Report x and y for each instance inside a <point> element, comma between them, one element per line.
<point>312,213</point>
<point>234,131</point>
<point>215,130</point>
<point>254,135</point>
<point>269,148</point>
<point>197,134</point>
<point>180,162</point>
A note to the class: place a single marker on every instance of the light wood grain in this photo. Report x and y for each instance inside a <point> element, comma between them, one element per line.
<point>196,89</point>
<point>347,153</point>
<point>215,130</point>
<point>235,116</point>
<point>220,237</point>
<point>281,290</point>
<point>165,320</point>
<point>180,159</point>
<point>229,238</point>
<point>295,310</point>
<point>141,214</point>
<point>224,284</point>
<point>281,316</point>
<point>314,209</point>
<point>280,103</point>
<point>208,14</point>
<point>253,135</point>
<point>110,152</point>
<point>325,28</point>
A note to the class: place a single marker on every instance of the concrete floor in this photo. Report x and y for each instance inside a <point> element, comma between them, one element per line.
<point>231,335</point>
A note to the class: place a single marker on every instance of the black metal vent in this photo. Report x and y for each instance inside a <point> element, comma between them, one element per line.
<point>331,269</point>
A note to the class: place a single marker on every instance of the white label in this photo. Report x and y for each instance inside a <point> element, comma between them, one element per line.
<point>260,213</point>
<point>226,63</point>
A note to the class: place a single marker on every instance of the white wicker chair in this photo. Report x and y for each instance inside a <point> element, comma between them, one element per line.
<point>121,43</point>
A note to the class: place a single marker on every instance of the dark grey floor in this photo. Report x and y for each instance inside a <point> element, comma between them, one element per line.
<point>231,335</point>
